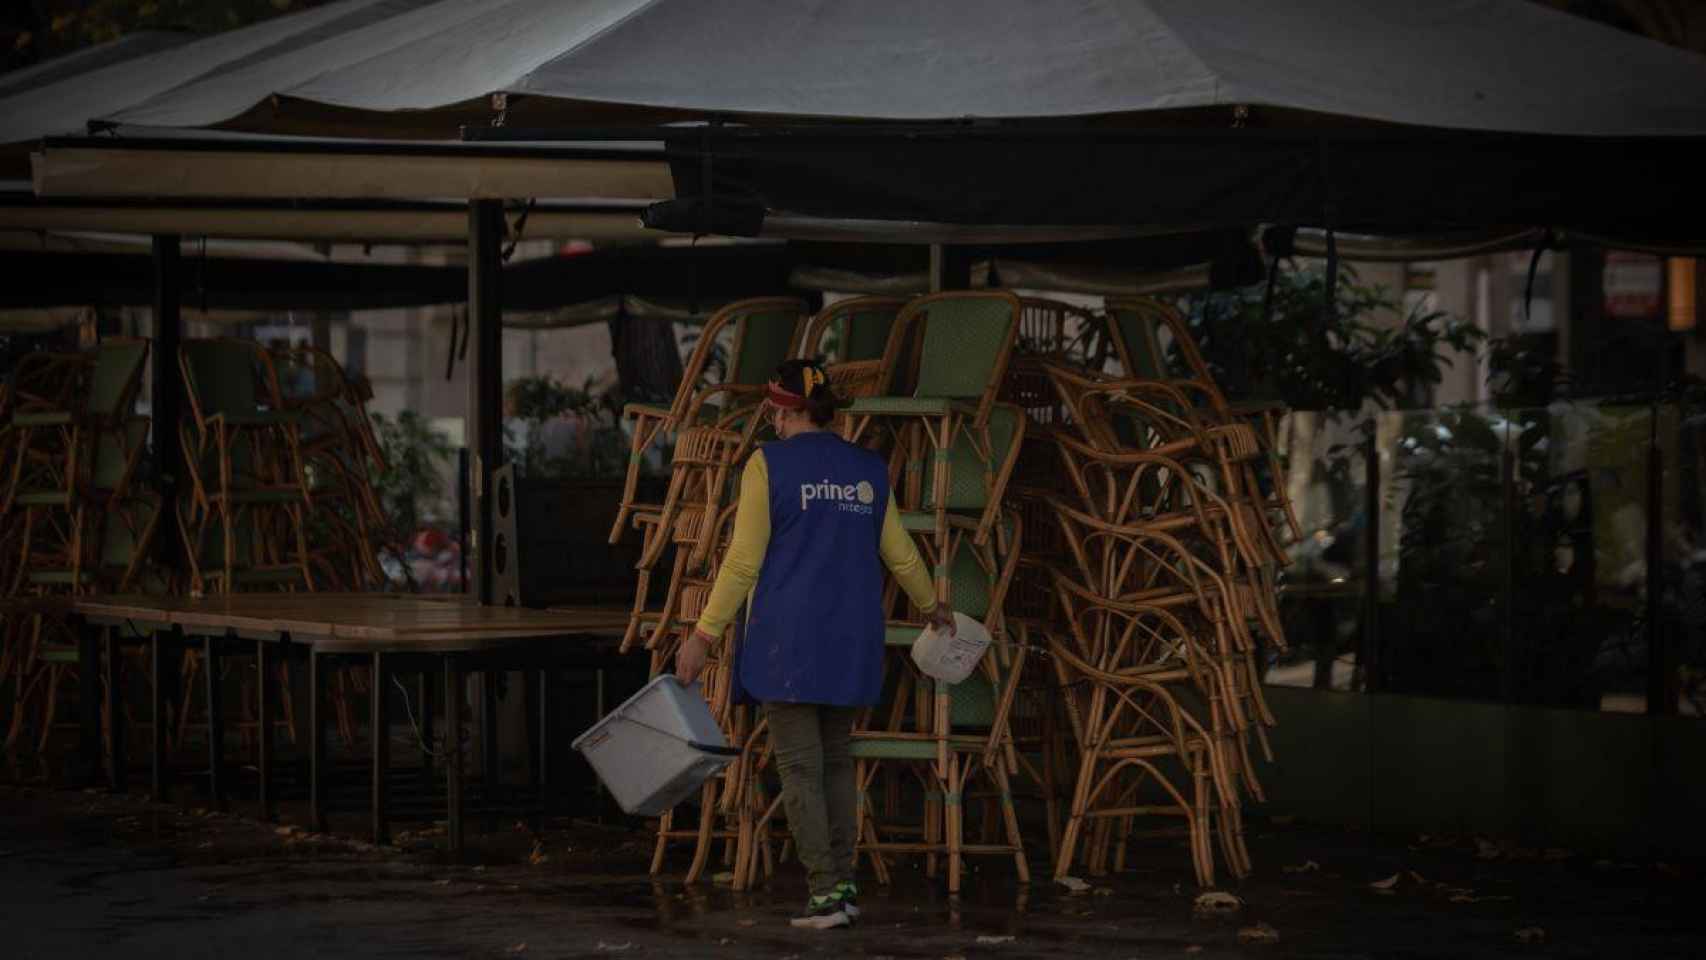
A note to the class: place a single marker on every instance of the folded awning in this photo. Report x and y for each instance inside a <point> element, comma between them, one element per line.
<point>233,166</point>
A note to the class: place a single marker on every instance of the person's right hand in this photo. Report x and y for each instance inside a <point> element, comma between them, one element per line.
<point>690,659</point>
<point>941,616</point>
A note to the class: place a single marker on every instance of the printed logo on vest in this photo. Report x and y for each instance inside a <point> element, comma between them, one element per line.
<point>847,497</point>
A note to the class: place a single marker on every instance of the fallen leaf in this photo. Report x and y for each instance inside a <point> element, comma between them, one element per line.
<point>1073,884</point>
<point>1216,902</point>
<point>1416,876</point>
<point>1386,884</point>
<point>954,956</point>
<point>724,942</point>
<point>990,941</point>
<point>724,877</point>
<point>441,883</point>
<point>1193,948</point>
<point>1307,866</point>
<point>1486,850</point>
<point>538,856</point>
<point>1531,935</point>
<point>480,869</point>
<point>614,947</point>
<point>1260,933</point>
<point>1104,891</point>
<point>749,922</point>
<point>518,948</point>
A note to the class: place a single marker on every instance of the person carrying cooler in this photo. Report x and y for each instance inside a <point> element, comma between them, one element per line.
<point>814,520</point>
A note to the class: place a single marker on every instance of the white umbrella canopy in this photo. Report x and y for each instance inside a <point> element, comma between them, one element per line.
<point>1491,65</point>
<point>89,86</point>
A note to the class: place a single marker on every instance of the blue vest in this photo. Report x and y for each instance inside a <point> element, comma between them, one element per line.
<point>814,625</point>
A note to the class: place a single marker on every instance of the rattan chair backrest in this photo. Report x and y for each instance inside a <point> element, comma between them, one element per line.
<point>966,340</point>
<point>219,375</point>
<point>117,375</point>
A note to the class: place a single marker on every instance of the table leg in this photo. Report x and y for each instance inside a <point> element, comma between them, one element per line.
<point>532,698</point>
<point>117,762</point>
<point>89,699</point>
<point>215,724</point>
<point>544,755</point>
<point>157,713</point>
<point>379,723</point>
<point>489,765</point>
<point>267,688</point>
<point>423,694</point>
<point>319,674</point>
<point>453,753</point>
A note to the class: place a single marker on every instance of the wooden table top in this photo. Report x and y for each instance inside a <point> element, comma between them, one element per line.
<point>366,621</point>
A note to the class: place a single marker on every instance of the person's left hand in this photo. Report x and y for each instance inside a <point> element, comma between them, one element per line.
<point>690,659</point>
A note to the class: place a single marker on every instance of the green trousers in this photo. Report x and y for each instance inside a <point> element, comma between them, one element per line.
<point>814,760</point>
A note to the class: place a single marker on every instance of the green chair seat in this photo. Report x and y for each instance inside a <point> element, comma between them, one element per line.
<point>58,578</point>
<point>42,498</point>
<point>863,748</point>
<point>46,418</point>
<point>58,655</point>
<point>900,634</point>
<point>917,521</point>
<point>902,406</point>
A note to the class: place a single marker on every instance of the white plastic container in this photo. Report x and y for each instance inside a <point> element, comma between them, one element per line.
<point>657,748</point>
<point>951,658</point>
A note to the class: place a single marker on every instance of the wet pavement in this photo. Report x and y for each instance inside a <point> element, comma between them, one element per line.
<point>93,874</point>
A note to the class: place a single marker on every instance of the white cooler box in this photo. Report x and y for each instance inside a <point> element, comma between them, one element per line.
<point>657,748</point>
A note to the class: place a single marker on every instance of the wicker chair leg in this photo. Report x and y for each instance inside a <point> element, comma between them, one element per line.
<point>1010,818</point>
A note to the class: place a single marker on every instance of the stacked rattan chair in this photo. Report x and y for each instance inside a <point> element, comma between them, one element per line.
<point>340,454</point>
<point>280,456</point>
<point>921,378</point>
<point>75,520</point>
<point>714,419</point>
<point>1164,583</point>
<point>244,519</point>
<point>1114,528</point>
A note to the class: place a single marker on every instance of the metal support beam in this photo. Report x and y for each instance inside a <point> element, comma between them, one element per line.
<point>1661,666</point>
<point>167,401</point>
<point>1373,679</point>
<point>485,381</point>
<point>950,268</point>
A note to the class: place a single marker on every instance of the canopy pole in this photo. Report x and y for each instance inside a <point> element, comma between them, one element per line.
<point>950,268</point>
<point>484,435</point>
<point>167,389</point>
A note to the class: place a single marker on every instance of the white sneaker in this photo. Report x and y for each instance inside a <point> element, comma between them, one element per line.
<point>823,913</point>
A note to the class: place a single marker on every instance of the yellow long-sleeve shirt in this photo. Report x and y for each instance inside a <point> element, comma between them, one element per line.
<point>745,555</point>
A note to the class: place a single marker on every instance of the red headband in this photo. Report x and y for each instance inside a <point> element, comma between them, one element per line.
<point>781,396</point>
